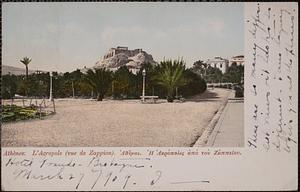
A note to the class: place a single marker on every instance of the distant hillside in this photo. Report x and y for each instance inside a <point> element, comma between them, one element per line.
<point>14,70</point>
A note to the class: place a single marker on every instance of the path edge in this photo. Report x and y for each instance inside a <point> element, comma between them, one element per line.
<point>203,140</point>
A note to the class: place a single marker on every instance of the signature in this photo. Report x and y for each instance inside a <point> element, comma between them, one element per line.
<point>96,173</point>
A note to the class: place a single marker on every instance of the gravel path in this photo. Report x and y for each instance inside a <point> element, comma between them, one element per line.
<point>129,123</point>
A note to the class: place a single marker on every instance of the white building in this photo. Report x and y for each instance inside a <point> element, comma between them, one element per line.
<point>219,62</point>
<point>239,60</point>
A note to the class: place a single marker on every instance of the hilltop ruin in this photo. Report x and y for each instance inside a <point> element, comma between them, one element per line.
<point>122,56</point>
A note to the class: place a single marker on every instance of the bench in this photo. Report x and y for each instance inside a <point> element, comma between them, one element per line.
<point>180,98</point>
<point>152,98</point>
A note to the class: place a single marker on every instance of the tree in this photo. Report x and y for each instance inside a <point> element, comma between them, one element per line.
<point>213,75</point>
<point>169,74</point>
<point>122,82</point>
<point>84,89</point>
<point>71,82</point>
<point>234,73</point>
<point>207,72</point>
<point>9,86</point>
<point>200,67</point>
<point>26,62</point>
<point>194,84</point>
<point>100,80</point>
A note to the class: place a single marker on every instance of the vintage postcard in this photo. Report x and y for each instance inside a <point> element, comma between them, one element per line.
<point>149,96</point>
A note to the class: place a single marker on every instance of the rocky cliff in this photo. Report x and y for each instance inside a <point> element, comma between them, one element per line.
<point>122,56</point>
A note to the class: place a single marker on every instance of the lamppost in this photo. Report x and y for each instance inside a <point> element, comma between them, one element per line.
<point>144,75</point>
<point>51,96</point>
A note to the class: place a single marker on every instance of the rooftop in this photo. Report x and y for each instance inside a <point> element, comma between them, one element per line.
<point>238,56</point>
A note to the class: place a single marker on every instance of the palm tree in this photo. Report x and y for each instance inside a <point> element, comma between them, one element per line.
<point>200,67</point>
<point>99,80</point>
<point>169,74</point>
<point>26,61</point>
<point>122,81</point>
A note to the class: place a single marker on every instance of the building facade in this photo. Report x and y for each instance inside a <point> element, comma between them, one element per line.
<point>218,62</point>
<point>239,60</point>
<point>223,64</point>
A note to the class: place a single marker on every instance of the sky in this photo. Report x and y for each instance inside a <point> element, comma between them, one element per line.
<point>66,36</point>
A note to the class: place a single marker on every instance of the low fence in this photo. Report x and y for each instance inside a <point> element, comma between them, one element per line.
<point>42,105</point>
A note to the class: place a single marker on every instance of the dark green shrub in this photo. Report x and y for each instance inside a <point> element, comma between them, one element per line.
<point>194,84</point>
<point>239,91</point>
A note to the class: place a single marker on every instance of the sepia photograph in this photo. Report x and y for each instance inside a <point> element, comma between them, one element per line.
<point>122,74</point>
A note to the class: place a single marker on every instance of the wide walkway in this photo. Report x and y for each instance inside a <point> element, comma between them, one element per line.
<point>229,131</point>
<point>112,123</point>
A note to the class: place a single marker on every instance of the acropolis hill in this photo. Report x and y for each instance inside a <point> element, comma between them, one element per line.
<point>122,56</point>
